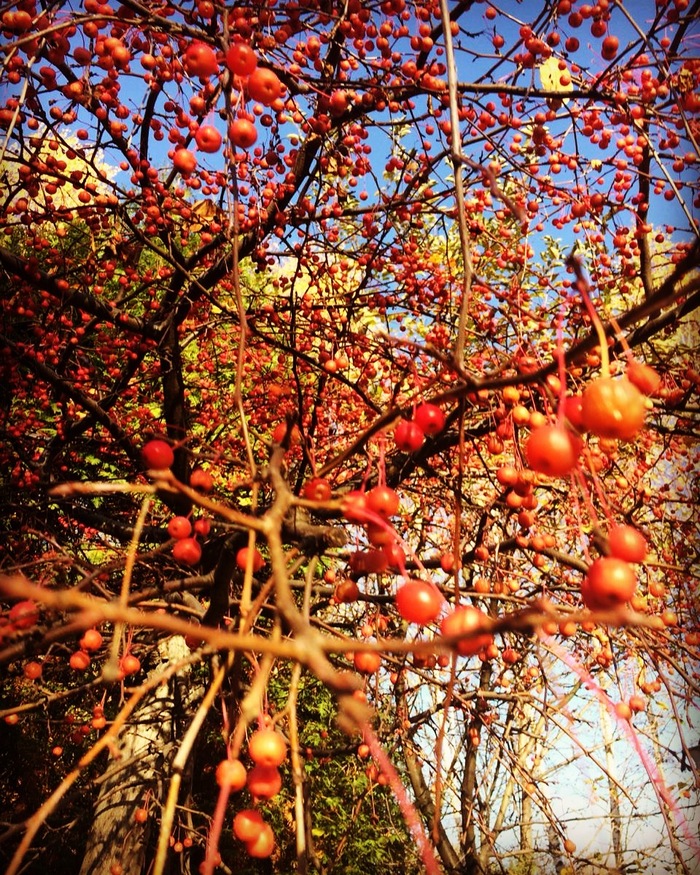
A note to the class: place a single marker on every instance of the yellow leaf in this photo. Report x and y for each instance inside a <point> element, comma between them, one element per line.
<point>555,75</point>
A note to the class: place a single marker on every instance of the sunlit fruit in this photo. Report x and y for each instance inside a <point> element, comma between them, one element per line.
<point>317,489</point>
<point>267,747</point>
<point>448,562</point>
<point>419,601</point>
<point>179,527</point>
<point>610,582</point>
<point>129,664</point>
<point>79,660</point>
<point>241,59</point>
<point>429,418</point>
<point>281,433</point>
<point>551,450</point>
<point>157,454</point>
<point>264,86</point>
<point>466,620</point>
<point>610,46</point>
<point>264,782</point>
<point>187,551</point>
<point>338,103</point>
<point>637,704</point>
<point>408,436</point>
<point>383,500</point>
<point>623,711</point>
<point>184,161</point>
<point>507,475</point>
<point>247,824</point>
<point>232,774</point>
<point>200,60</point>
<point>91,640</point>
<point>242,133</point>
<point>355,506</point>
<point>208,139</point>
<point>644,377</point>
<point>367,661</point>
<point>263,845</point>
<point>571,408</point>
<point>613,408</point>
<point>628,543</point>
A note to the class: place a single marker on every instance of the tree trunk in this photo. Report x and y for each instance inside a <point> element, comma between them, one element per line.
<point>144,746</point>
<point>613,789</point>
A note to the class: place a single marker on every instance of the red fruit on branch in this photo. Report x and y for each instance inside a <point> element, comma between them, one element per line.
<point>346,592</point>
<point>367,661</point>
<point>552,450</point>
<point>466,620</point>
<point>157,455</point>
<point>429,418</point>
<point>383,500</point>
<point>208,139</point>
<point>355,506</point>
<point>571,408</point>
<point>408,436</point>
<point>24,614</point>
<point>627,543</point>
<point>187,551</point>
<point>264,86</point>
<point>264,782</point>
<point>644,377</point>
<point>241,59</point>
<point>79,661</point>
<point>202,480</point>
<point>247,824</point>
<point>184,161</point>
<point>610,582</point>
<point>32,670</point>
<point>179,527</point>
<point>200,60</point>
<point>129,664</point>
<point>279,434</point>
<point>91,640</point>
<point>317,489</point>
<point>202,526</point>
<point>242,559</point>
<point>610,47</point>
<point>232,774</point>
<point>242,133</point>
<point>263,845</point>
<point>267,747</point>
<point>419,601</point>
<point>380,534</point>
<point>613,408</point>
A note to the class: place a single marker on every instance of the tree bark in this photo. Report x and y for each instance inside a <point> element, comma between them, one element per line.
<point>144,747</point>
<point>613,789</point>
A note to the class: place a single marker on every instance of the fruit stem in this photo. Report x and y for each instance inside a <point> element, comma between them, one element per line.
<point>561,367</point>
<point>621,337</point>
<point>583,287</point>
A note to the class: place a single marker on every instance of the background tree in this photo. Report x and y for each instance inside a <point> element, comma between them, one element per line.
<point>351,345</point>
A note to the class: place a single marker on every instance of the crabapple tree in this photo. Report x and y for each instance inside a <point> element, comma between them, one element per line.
<point>348,423</point>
